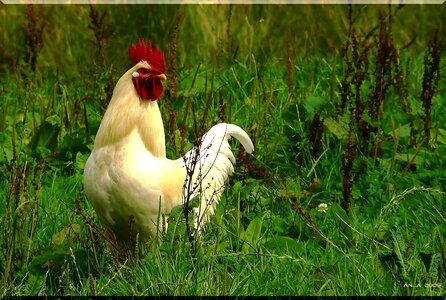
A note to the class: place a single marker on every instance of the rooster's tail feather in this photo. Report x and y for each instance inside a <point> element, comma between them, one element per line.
<point>211,164</point>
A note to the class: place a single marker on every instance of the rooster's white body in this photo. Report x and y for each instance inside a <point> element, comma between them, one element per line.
<point>128,178</point>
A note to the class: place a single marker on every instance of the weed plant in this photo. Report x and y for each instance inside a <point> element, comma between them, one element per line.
<point>345,193</point>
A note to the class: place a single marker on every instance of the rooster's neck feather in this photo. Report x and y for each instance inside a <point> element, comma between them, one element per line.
<point>127,113</point>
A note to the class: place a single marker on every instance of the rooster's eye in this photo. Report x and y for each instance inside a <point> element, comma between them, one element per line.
<point>143,71</point>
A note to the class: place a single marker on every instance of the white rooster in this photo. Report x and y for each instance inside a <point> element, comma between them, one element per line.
<point>128,179</point>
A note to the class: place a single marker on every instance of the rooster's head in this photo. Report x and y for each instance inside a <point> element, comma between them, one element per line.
<point>147,78</point>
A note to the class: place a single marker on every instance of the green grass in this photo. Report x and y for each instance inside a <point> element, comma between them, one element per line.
<point>267,236</point>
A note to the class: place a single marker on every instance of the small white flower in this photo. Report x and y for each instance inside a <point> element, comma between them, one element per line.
<point>323,207</point>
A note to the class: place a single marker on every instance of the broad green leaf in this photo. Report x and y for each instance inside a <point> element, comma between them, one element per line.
<point>441,137</point>
<point>406,157</point>
<point>65,234</point>
<point>81,159</point>
<point>46,134</point>
<point>283,243</point>
<point>314,103</point>
<point>52,257</point>
<point>280,226</point>
<point>367,118</point>
<point>53,120</point>
<point>401,131</point>
<point>251,235</point>
<point>337,127</point>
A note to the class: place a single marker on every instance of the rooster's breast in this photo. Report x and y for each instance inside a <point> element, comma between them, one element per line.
<point>124,182</point>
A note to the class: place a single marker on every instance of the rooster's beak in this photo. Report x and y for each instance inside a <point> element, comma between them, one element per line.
<point>161,76</point>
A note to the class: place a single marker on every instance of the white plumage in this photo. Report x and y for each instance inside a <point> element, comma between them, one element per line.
<point>214,164</point>
<point>128,178</point>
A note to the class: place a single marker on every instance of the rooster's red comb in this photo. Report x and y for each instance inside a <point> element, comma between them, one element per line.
<point>154,58</point>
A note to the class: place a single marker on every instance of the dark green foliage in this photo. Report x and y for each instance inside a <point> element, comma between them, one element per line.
<point>345,106</point>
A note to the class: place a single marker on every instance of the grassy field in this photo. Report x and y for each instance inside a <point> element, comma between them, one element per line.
<point>345,193</point>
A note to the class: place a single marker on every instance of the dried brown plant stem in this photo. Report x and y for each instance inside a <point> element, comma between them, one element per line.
<point>34,28</point>
<point>431,77</point>
<point>97,26</point>
<point>172,54</point>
